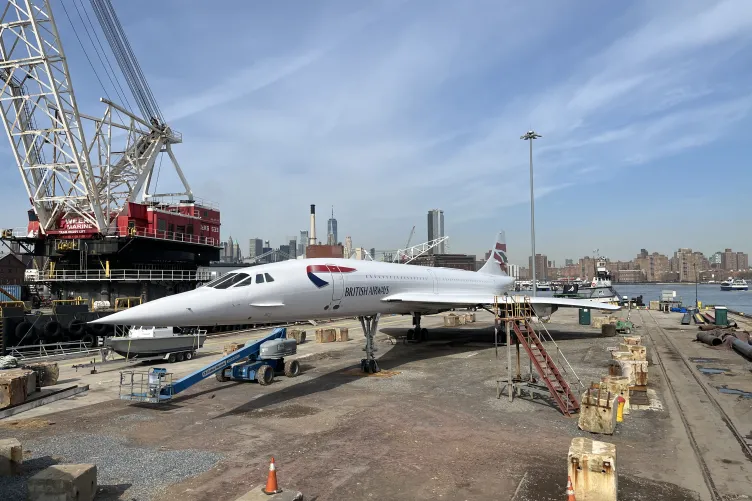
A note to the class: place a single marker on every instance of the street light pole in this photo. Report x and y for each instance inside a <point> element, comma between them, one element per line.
<point>529,136</point>
<point>696,281</point>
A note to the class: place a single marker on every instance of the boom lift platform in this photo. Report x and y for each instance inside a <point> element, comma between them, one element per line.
<point>258,361</point>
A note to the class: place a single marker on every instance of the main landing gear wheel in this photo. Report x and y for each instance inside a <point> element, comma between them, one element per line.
<point>417,334</point>
<point>265,375</point>
<point>292,368</point>
<point>369,366</point>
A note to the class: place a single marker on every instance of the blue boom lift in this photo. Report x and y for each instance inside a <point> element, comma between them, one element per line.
<point>258,361</point>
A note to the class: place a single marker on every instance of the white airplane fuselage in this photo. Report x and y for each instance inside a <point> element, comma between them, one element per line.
<point>308,289</point>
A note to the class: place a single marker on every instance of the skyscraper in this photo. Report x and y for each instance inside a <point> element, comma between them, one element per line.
<point>229,250</point>
<point>436,229</point>
<point>331,230</point>
<point>541,266</point>
<point>254,247</point>
<point>302,242</point>
<point>348,247</point>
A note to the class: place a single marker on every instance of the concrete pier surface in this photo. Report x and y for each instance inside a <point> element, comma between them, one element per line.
<point>429,426</point>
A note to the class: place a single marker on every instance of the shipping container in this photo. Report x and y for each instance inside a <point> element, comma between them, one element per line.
<point>10,293</point>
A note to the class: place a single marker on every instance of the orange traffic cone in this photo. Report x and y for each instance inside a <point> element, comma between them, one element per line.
<point>271,480</point>
<point>570,490</point>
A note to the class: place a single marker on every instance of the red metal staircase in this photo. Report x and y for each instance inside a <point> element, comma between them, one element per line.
<point>544,364</point>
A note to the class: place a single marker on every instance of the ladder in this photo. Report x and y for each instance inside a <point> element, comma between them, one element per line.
<point>544,364</point>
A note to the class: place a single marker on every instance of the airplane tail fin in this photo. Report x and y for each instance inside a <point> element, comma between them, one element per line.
<point>497,261</point>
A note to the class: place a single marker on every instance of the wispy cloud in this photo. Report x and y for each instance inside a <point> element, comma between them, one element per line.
<point>387,109</point>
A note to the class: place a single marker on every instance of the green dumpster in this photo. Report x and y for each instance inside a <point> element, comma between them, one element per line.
<point>584,316</point>
<point>721,315</point>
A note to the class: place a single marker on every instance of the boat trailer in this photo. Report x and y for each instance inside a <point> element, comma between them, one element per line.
<point>259,361</point>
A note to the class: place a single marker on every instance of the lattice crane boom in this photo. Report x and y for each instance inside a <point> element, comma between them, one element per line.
<point>41,116</point>
<point>405,256</point>
<point>71,182</point>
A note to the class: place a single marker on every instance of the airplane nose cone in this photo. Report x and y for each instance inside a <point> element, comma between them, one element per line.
<point>178,310</point>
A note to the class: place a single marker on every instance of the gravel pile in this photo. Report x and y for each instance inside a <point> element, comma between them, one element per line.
<point>139,472</point>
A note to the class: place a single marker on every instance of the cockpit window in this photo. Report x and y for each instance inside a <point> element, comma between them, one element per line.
<point>246,281</point>
<point>268,277</point>
<point>238,277</point>
<point>220,280</point>
<point>260,278</point>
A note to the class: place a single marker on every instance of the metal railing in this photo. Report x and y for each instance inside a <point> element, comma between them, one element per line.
<point>121,231</point>
<point>143,386</point>
<point>46,351</point>
<point>167,200</point>
<point>99,275</point>
<point>520,307</point>
<point>125,231</point>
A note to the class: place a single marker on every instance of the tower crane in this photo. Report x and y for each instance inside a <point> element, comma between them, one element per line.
<point>79,178</point>
<point>410,238</point>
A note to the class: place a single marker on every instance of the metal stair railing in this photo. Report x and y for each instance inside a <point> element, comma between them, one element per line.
<point>559,353</point>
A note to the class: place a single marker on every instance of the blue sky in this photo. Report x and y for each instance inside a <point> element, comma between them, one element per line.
<point>388,109</point>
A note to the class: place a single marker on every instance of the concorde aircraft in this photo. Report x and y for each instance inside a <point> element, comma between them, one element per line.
<point>309,289</point>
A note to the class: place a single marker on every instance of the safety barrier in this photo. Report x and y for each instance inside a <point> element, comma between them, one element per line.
<point>120,275</point>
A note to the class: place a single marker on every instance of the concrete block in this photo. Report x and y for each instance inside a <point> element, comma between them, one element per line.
<point>599,322</point>
<point>12,390</point>
<point>31,383</point>
<point>343,334</point>
<point>470,318</point>
<point>634,340</point>
<point>638,352</point>
<point>64,482</point>
<point>451,320</point>
<point>621,355</point>
<point>298,335</point>
<point>592,467</point>
<point>11,457</point>
<point>635,370</point>
<point>608,330</point>
<point>598,412</point>
<point>618,385</point>
<point>27,375</point>
<point>47,372</point>
<point>232,347</point>
<point>326,335</point>
<point>257,494</point>
<point>654,305</point>
<point>461,319</point>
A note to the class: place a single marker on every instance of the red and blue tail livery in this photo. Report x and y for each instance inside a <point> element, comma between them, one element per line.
<point>313,269</point>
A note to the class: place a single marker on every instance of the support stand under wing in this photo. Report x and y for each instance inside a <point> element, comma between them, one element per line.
<point>370,326</point>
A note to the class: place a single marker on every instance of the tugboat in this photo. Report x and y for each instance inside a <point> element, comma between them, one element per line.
<point>734,285</point>
<point>599,289</point>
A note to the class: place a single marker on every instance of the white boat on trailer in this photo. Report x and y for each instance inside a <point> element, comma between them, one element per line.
<point>171,343</point>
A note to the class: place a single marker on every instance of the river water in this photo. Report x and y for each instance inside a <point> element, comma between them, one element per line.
<point>710,294</point>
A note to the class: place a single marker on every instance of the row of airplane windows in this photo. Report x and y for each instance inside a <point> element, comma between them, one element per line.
<point>424,278</point>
